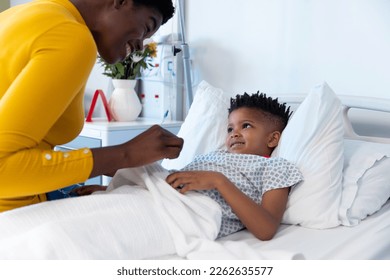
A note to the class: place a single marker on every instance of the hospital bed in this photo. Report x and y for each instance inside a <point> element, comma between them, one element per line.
<point>350,220</point>
<point>340,211</point>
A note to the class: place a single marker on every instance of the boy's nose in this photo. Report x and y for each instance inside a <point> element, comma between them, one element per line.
<point>235,134</point>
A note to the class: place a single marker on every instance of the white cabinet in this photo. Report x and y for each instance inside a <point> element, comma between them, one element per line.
<point>102,133</point>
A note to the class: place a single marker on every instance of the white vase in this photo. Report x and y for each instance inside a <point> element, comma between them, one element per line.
<point>124,102</point>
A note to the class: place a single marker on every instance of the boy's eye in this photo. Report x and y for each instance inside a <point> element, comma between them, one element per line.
<point>229,130</point>
<point>246,125</point>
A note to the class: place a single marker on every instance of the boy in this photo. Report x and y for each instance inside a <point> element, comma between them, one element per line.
<point>251,188</point>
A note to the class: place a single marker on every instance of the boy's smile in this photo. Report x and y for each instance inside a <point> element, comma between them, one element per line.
<point>237,144</point>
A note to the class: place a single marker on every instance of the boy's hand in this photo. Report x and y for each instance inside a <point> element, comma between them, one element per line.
<point>87,190</point>
<point>185,181</point>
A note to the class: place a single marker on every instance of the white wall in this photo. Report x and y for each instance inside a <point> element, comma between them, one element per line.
<point>288,46</point>
<point>17,2</point>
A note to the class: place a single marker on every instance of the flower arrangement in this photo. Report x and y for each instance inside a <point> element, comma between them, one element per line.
<point>132,66</point>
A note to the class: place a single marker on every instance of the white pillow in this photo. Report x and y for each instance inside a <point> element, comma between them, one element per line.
<point>313,140</point>
<point>366,180</point>
<point>205,127</point>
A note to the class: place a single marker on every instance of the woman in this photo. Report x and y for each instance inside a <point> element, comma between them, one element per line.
<point>48,50</point>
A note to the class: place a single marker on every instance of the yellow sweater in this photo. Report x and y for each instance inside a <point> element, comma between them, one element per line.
<point>46,55</point>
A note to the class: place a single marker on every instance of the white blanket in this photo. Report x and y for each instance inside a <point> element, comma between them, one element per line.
<point>139,217</point>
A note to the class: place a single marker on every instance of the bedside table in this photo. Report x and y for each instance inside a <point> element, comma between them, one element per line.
<point>101,133</point>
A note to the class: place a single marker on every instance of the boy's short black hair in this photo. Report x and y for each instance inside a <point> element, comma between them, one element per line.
<point>165,7</point>
<point>260,101</point>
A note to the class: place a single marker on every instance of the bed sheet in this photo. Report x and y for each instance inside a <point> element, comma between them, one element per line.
<point>368,240</point>
<point>139,217</point>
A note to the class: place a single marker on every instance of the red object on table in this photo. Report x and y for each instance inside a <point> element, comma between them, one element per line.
<point>98,93</point>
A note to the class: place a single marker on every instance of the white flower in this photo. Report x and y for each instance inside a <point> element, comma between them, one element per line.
<point>136,57</point>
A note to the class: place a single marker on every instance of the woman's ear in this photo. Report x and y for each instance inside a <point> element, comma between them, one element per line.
<point>273,139</point>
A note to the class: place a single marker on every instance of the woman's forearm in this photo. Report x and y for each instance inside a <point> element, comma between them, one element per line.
<point>107,160</point>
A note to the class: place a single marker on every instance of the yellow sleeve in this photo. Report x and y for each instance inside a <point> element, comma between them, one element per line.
<point>46,92</point>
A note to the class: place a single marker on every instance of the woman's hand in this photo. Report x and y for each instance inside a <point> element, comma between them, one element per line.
<point>152,145</point>
<point>185,181</point>
<point>88,189</point>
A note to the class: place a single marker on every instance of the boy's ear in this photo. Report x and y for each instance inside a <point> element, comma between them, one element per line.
<point>273,139</point>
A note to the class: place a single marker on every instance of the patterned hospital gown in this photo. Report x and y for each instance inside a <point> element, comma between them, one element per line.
<point>252,174</point>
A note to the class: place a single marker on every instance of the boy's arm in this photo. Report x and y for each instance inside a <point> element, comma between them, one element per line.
<point>261,220</point>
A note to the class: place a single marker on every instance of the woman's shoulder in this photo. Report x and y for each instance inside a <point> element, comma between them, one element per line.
<point>35,20</point>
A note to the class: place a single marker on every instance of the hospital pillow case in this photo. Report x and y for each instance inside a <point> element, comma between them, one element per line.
<point>205,126</point>
<point>313,140</point>
<point>366,180</point>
